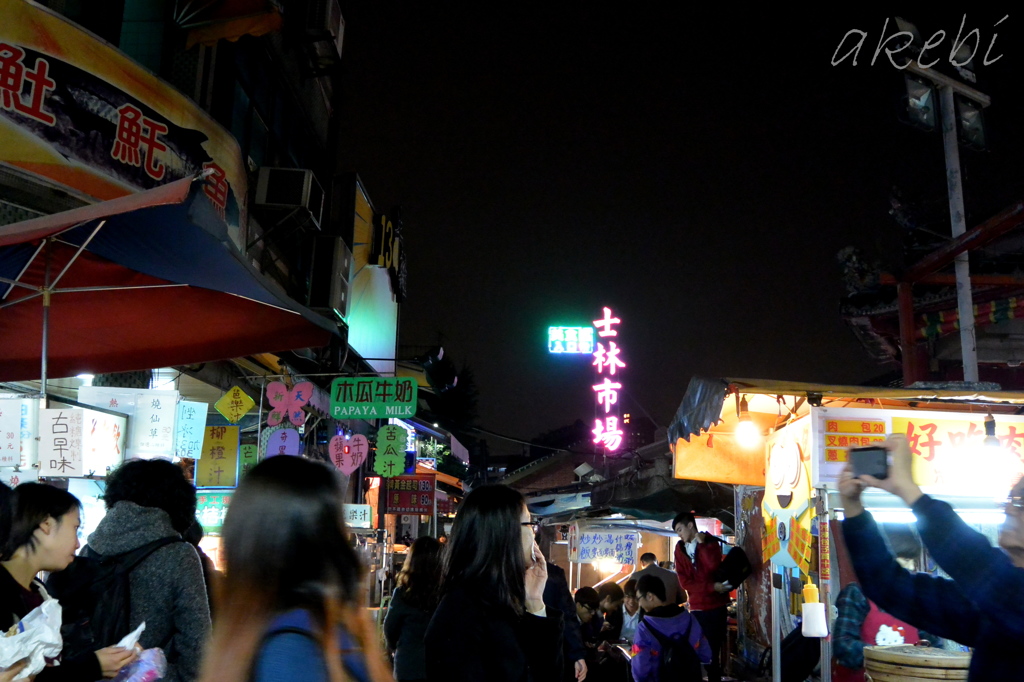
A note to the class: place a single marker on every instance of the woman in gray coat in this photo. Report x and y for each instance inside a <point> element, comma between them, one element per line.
<point>147,500</point>
<point>411,607</point>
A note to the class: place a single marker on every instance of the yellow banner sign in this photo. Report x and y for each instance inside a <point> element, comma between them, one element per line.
<point>218,467</point>
<point>952,453</point>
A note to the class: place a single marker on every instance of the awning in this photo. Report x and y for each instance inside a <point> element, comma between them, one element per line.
<point>715,454</point>
<point>147,280</point>
<point>206,23</point>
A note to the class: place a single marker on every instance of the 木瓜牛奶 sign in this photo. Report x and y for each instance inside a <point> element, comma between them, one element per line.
<point>373,397</point>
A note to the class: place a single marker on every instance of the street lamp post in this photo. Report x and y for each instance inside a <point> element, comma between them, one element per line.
<point>948,87</point>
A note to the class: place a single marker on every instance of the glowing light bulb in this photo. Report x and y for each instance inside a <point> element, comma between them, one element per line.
<point>748,435</point>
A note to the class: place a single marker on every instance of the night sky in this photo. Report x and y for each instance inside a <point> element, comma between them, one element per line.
<point>697,171</point>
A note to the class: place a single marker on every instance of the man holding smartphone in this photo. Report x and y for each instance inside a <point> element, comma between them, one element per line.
<point>982,606</point>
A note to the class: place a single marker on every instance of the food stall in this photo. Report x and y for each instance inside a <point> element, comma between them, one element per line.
<point>784,444</point>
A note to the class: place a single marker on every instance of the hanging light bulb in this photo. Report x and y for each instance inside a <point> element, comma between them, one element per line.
<point>990,432</point>
<point>748,435</point>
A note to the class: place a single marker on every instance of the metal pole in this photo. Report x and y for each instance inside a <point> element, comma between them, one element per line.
<point>46,323</point>
<point>776,638</point>
<point>954,185</point>
<point>433,519</point>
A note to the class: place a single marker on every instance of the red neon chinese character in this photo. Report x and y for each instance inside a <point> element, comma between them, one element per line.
<point>154,168</point>
<point>607,394</point>
<point>129,134</point>
<point>607,358</point>
<point>12,80</point>
<point>607,321</point>
<point>217,186</point>
<point>608,433</point>
<point>926,439</point>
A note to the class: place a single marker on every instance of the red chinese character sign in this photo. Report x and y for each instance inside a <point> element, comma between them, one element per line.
<point>141,132</point>
<point>389,460</point>
<point>348,454</point>
<point>409,495</point>
<point>607,431</point>
<point>288,403</point>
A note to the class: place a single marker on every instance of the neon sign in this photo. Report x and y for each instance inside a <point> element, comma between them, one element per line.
<point>571,340</point>
<point>607,431</point>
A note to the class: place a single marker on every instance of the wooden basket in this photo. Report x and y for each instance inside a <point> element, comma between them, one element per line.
<point>906,663</point>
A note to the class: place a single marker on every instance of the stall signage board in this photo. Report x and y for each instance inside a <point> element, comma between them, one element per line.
<point>373,397</point>
<point>249,454</point>
<point>218,467</point>
<point>12,478</point>
<point>152,424</point>
<point>949,455</point>
<point>389,459</point>
<point>787,507</point>
<point>410,495</point>
<point>10,433</point>
<point>29,426</point>
<point>234,404</point>
<point>60,442</point>
<point>359,516</point>
<point>189,429</point>
<point>212,507</point>
<point>595,544</point>
<point>578,340</point>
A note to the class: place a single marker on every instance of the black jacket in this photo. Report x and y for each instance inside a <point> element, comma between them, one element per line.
<point>557,596</point>
<point>13,608</point>
<point>468,641</point>
<point>404,627</point>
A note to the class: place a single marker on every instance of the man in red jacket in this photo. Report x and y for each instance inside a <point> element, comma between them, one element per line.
<point>698,556</point>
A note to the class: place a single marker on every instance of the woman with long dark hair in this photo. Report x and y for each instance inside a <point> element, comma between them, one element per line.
<point>411,607</point>
<point>491,623</point>
<point>287,609</point>
<point>39,532</point>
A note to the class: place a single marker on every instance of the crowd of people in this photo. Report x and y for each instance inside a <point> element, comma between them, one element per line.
<point>487,605</point>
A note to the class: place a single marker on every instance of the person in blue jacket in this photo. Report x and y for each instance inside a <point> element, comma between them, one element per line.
<point>289,606</point>
<point>982,606</point>
<point>660,621</point>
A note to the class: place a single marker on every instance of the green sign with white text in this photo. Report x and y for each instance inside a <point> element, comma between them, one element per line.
<point>373,397</point>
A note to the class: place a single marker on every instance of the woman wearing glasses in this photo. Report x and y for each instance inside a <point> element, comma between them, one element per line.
<point>491,623</point>
<point>981,607</point>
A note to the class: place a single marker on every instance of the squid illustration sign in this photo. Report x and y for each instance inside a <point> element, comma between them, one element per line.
<point>787,508</point>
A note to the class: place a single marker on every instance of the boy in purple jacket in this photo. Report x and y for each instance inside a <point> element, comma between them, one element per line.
<point>670,622</point>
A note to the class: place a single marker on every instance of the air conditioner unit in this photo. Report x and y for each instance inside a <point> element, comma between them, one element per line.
<point>330,284</point>
<point>341,279</point>
<point>324,22</point>
<point>290,188</point>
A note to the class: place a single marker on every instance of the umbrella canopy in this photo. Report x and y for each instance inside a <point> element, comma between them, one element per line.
<point>148,280</point>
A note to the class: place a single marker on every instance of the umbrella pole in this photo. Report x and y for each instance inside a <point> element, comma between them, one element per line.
<point>46,324</point>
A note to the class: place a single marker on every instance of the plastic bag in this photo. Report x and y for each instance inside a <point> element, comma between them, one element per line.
<point>37,638</point>
<point>132,638</point>
<point>151,665</point>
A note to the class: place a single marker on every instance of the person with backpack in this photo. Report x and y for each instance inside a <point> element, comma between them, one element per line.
<point>39,532</point>
<point>669,645</point>
<point>289,609</point>
<point>137,568</point>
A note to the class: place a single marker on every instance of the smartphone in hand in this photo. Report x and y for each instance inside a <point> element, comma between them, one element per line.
<point>870,461</point>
